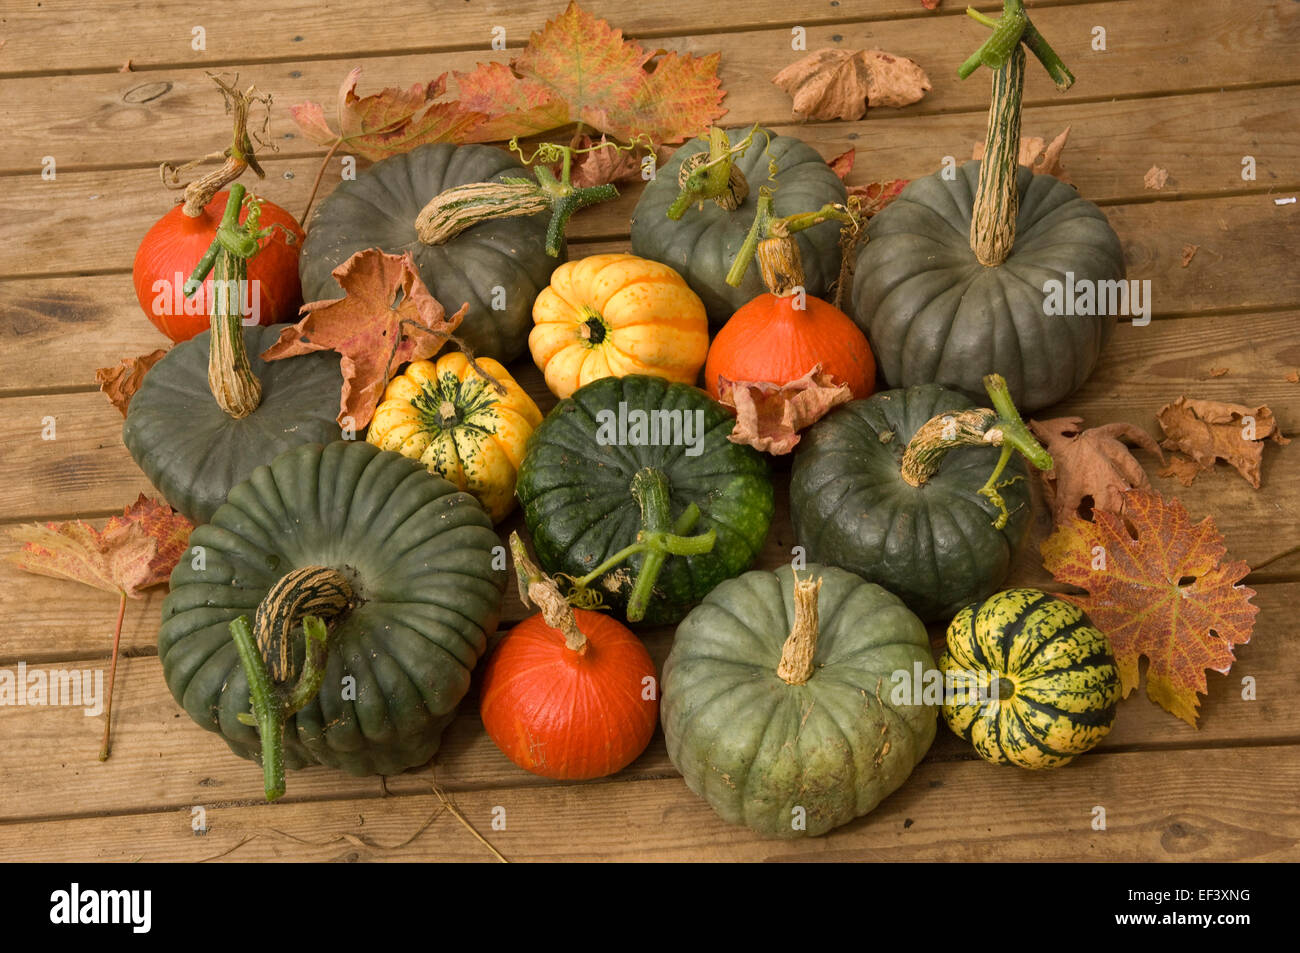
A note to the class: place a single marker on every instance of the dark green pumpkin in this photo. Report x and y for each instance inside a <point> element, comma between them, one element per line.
<point>497,267</point>
<point>194,452</point>
<point>934,545</point>
<point>702,245</point>
<point>791,760</point>
<point>934,314</point>
<point>418,555</point>
<point>575,488</point>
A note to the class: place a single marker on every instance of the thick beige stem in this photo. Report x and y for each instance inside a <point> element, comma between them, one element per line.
<point>451,212</point>
<point>801,645</point>
<point>997,200</point>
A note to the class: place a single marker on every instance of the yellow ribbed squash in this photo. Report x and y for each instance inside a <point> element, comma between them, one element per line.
<point>455,422</point>
<point>615,315</point>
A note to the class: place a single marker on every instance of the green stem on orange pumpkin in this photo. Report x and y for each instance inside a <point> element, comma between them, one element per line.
<point>657,540</point>
<point>453,210</point>
<point>767,225</point>
<point>997,199</point>
<point>999,426</point>
<point>538,589</point>
<point>712,175</point>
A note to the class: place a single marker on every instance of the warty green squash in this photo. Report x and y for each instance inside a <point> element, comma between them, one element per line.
<point>777,701</point>
<point>633,493</point>
<point>955,279</point>
<point>389,564</point>
<point>1032,682</point>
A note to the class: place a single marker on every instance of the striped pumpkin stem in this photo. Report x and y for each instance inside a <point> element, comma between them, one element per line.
<point>463,206</point>
<point>712,176</point>
<point>997,200</point>
<point>312,595</point>
<point>999,426</point>
<point>796,665</point>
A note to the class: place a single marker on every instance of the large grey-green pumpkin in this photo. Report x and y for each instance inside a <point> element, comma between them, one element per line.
<point>702,245</point>
<point>194,452</point>
<point>418,557</point>
<point>934,314</point>
<point>496,266</point>
<point>789,759</point>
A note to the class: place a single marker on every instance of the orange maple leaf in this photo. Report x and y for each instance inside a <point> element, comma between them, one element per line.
<point>386,318</point>
<point>121,381</point>
<point>1159,587</point>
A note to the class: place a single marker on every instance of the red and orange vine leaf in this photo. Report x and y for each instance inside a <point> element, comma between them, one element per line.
<point>386,318</point>
<point>119,383</point>
<point>133,552</point>
<point>769,416</point>
<point>1159,587</point>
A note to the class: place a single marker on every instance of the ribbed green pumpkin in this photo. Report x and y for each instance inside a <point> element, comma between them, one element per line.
<point>497,266</point>
<point>792,760</point>
<point>935,545</point>
<point>194,452</point>
<point>418,556</point>
<point>702,245</point>
<point>1054,665</point>
<point>576,489</point>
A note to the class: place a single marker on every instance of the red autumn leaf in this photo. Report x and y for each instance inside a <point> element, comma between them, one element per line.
<point>842,164</point>
<point>580,69</point>
<point>871,197</point>
<point>386,318</point>
<point>840,84</point>
<point>131,553</point>
<point>1091,469</point>
<point>599,163</point>
<point>1210,430</point>
<point>388,122</point>
<point>1159,587</point>
<point>121,382</point>
<point>930,4</point>
<point>770,416</point>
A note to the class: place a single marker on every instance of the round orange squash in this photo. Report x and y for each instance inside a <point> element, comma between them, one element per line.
<point>614,315</point>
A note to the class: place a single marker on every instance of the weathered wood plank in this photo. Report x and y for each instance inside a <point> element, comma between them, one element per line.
<point>40,36</point>
<point>1242,807</point>
<point>101,120</point>
<point>161,759</point>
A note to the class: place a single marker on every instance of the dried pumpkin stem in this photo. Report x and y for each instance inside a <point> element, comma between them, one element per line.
<point>796,665</point>
<point>538,589</point>
<point>999,426</point>
<point>767,225</point>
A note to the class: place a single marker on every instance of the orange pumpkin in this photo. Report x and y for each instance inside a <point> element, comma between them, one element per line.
<point>614,315</point>
<point>781,335</point>
<point>573,700</point>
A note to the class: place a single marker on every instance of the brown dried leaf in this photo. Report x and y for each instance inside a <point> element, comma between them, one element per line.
<point>1218,371</point>
<point>1182,469</point>
<point>1092,469</point>
<point>840,84</point>
<point>1042,157</point>
<point>386,319</point>
<point>1189,252</point>
<point>121,382</point>
<point>770,416</point>
<point>1210,430</point>
<point>1293,377</point>
<point>1155,178</point>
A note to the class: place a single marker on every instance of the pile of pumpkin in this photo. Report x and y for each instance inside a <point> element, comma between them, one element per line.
<point>347,588</point>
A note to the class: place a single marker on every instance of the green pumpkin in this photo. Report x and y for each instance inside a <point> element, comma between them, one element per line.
<point>497,267</point>
<point>417,555</point>
<point>789,758</point>
<point>702,245</point>
<point>194,452</point>
<point>577,485</point>
<point>935,545</point>
<point>934,314</point>
<point>1033,682</point>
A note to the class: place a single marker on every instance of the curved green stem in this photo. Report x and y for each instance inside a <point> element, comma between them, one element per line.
<point>767,225</point>
<point>713,175</point>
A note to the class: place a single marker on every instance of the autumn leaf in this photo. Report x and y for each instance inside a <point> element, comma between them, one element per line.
<point>770,416</point>
<point>1042,157</point>
<point>840,84</point>
<point>391,121</point>
<point>600,163</point>
<point>581,69</point>
<point>1209,430</point>
<point>133,552</point>
<point>121,382</point>
<point>386,318</point>
<point>871,197</point>
<point>1091,469</point>
<point>1159,587</point>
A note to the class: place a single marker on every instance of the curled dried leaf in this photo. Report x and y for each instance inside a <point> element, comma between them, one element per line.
<point>840,84</point>
<point>1092,469</point>
<point>120,382</point>
<point>1210,430</point>
<point>769,416</point>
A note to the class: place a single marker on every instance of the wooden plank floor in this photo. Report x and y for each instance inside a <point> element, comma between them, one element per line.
<point>1190,85</point>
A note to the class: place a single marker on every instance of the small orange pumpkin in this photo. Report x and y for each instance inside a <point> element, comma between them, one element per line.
<point>614,315</point>
<point>569,693</point>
